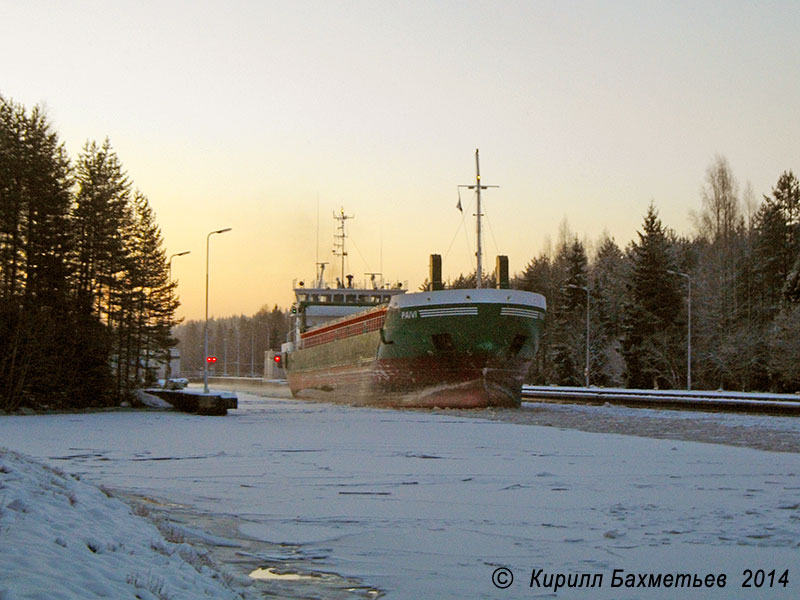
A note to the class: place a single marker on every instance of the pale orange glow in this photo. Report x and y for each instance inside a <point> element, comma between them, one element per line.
<point>255,115</point>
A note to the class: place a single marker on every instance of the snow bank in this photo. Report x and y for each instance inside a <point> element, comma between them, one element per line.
<point>63,538</point>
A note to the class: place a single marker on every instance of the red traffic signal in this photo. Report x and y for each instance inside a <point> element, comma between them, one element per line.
<point>277,359</point>
<point>211,359</point>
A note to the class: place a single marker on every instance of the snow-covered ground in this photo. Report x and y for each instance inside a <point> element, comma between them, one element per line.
<point>415,504</point>
<point>63,538</point>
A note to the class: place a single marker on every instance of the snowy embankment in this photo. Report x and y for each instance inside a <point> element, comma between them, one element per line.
<point>63,538</point>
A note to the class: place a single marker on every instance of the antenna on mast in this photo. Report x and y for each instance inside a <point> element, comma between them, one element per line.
<point>321,277</point>
<point>339,249</point>
<point>478,187</point>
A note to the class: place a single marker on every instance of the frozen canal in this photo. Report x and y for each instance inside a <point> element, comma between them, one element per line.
<point>427,505</point>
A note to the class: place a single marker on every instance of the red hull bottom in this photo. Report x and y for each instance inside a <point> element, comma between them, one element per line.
<point>414,384</point>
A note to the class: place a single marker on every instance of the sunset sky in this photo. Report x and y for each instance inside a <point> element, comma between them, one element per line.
<point>260,115</point>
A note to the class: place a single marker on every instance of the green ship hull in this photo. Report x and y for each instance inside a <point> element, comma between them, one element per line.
<point>447,348</point>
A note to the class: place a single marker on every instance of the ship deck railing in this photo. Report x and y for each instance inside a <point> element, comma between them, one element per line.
<point>344,327</point>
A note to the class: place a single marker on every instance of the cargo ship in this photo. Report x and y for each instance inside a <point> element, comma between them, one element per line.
<point>377,344</point>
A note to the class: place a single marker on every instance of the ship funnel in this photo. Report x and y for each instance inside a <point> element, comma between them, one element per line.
<point>435,277</point>
<point>501,273</point>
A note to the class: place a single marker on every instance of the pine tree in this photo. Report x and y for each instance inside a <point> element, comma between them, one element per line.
<point>34,211</point>
<point>777,244</point>
<point>143,304</point>
<point>786,195</point>
<point>100,215</point>
<point>778,248</point>
<point>13,122</point>
<point>539,277</point>
<point>651,344</point>
<point>34,204</point>
<point>769,252</point>
<point>569,325</point>
<point>607,283</point>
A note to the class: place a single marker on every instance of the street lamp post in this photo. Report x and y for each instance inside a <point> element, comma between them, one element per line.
<point>689,332</point>
<point>168,365</point>
<point>205,327</point>
<point>585,289</point>
<point>169,262</point>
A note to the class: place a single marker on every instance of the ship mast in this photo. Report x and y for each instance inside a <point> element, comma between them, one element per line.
<point>478,187</point>
<point>338,249</point>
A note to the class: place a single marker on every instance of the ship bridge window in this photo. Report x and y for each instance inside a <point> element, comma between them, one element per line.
<point>338,297</point>
<point>351,298</point>
<point>301,297</point>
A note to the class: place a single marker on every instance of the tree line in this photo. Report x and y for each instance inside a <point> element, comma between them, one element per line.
<point>743,266</point>
<point>238,343</point>
<point>86,304</point>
